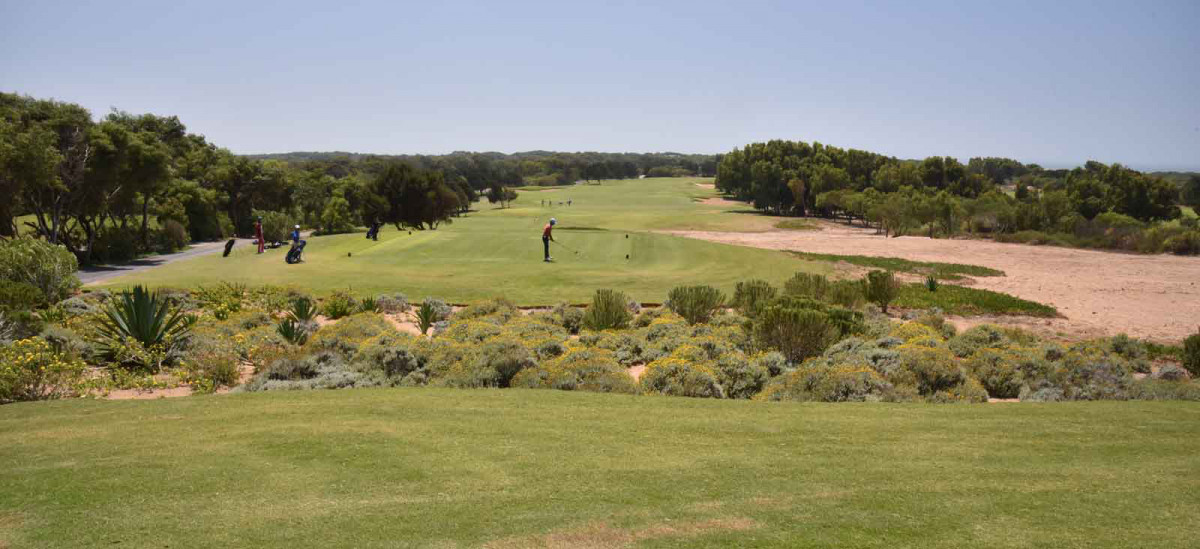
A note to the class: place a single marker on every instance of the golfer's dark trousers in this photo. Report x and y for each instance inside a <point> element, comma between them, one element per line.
<point>546,244</point>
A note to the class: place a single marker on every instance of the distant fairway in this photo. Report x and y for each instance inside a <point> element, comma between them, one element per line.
<point>498,252</point>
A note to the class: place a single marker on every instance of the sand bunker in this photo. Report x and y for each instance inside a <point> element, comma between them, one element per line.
<point>1099,293</point>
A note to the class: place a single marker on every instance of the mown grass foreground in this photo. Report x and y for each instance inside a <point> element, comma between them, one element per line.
<point>522,468</point>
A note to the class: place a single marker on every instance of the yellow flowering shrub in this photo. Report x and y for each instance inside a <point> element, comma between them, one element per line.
<point>680,377</point>
<point>580,368</point>
<point>913,330</point>
<point>30,369</point>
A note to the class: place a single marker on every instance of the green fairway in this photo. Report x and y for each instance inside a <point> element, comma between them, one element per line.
<point>498,252</point>
<point>521,468</point>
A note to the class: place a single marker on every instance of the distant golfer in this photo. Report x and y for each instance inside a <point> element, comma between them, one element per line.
<point>296,235</point>
<point>258,235</point>
<point>548,237</point>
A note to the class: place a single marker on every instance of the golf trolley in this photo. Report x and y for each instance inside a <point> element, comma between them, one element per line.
<point>296,253</point>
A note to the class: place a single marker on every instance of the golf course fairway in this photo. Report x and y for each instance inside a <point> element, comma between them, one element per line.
<point>606,242</point>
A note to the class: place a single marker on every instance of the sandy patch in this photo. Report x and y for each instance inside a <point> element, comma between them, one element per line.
<point>718,201</point>
<point>1099,293</point>
<point>706,185</point>
<point>636,371</point>
<point>151,394</point>
<point>404,323</point>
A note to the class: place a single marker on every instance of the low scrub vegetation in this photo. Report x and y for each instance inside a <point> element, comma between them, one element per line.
<point>813,341</point>
<point>940,271</point>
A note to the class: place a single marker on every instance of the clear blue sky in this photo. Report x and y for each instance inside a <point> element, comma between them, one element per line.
<point>1050,82</point>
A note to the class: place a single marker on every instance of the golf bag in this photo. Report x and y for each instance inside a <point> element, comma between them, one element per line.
<point>229,247</point>
<point>295,254</point>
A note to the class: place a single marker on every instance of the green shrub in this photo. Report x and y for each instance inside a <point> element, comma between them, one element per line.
<point>751,296</point>
<point>47,267</point>
<point>568,317</point>
<point>210,365</point>
<point>739,376</point>
<point>626,347</point>
<point>1087,372</point>
<point>881,288</point>
<point>66,342</point>
<point>823,383</point>
<point>471,331</point>
<point>929,370</point>
<point>795,332</point>
<point>1191,354</point>
<point>931,283</point>
<point>846,293</point>
<point>347,335</point>
<point>338,305</point>
<point>998,371</point>
<point>30,369</point>
<point>1171,372</point>
<point>696,304</point>
<point>678,377</point>
<point>393,355</point>
<point>142,317</point>
<point>393,303</point>
<point>773,361</point>
<point>495,364</point>
<point>1157,389</point>
<point>609,311</point>
<point>812,286</point>
<point>579,369</point>
<point>275,225</point>
<point>170,237</point>
<point>500,309</point>
<point>320,371</point>
<point>19,296</point>
<point>116,245</point>
<point>976,338</point>
<point>970,390</point>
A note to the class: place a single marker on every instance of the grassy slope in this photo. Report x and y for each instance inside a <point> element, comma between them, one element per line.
<point>445,468</point>
<point>498,251</point>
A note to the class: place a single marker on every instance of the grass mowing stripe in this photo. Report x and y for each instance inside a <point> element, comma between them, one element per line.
<point>941,271</point>
<point>960,300</point>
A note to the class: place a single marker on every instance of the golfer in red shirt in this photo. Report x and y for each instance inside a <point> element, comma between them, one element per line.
<point>547,237</point>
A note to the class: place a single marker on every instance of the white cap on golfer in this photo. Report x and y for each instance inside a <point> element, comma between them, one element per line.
<point>297,226</point>
<point>553,221</point>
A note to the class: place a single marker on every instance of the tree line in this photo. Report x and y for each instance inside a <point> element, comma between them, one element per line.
<point>126,184</point>
<point>942,196</point>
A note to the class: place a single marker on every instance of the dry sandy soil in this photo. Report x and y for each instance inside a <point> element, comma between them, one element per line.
<point>1099,293</point>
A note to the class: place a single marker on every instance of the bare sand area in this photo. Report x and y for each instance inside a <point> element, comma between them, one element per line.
<point>1100,293</point>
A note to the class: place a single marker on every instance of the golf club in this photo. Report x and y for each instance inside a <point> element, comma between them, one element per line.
<point>568,248</point>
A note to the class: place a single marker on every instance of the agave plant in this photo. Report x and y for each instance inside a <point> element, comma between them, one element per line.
<point>295,332</point>
<point>427,315</point>
<point>368,305</point>
<point>143,317</point>
<point>303,310</point>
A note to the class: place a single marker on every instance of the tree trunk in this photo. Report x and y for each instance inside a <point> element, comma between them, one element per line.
<point>145,222</point>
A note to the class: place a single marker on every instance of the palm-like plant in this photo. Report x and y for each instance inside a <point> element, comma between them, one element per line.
<point>293,331</point>
<point>368,305</point>
<point>427,315</point>
<point>144,317</point>
<point>303,310</point>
